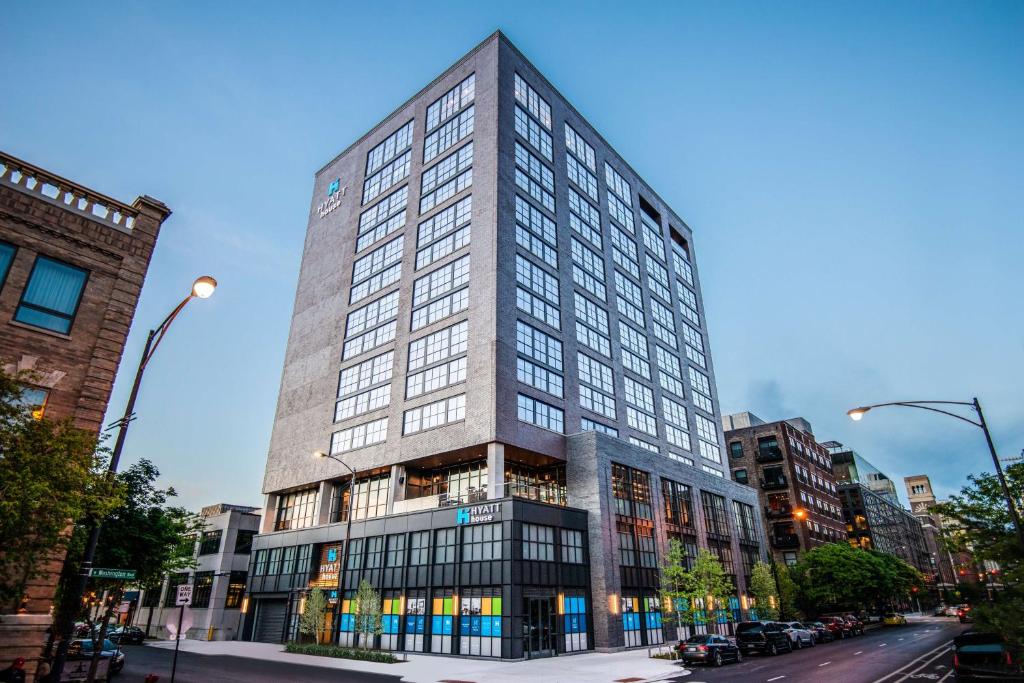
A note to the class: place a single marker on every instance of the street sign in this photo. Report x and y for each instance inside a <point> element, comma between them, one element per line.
<point>104,573</point>
<point>184,596</point>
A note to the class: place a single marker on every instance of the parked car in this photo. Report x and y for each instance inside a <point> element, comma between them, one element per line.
<point>798,635</point>
<point>819,631</point>
<point>964,614</point>
<point>939,611</point>
<point>766,637</point>
<point>709,648</point>
<point>856,625</point>
<point>894,619</point>
<point>83,647</point>
<point>838,626</point>
<point>130,635</point>
<point>985,656</point>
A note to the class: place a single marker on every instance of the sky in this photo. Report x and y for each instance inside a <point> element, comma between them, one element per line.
<point>851,171</point>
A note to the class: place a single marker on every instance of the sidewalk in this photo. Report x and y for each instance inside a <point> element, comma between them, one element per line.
<point>592,667</point>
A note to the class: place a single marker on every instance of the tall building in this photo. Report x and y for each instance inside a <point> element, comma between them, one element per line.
<point>221,553</point>
<point>793,476</point>
<point>921,497</point>
<point>874,522</point>
<point>72,264</point>
<point>849,466</point>
<point>499,327</point>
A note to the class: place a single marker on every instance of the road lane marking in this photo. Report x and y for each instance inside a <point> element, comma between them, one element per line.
<point>882,644</point>
<point>775,679</point>
<point>858,652</point>
<point>825,663</point>
<point>941,650</point>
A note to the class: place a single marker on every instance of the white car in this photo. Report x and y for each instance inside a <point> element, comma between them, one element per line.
<point>798,635</point>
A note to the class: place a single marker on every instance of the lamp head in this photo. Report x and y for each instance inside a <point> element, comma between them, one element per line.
<point>203,287</point>
<point>319,454</point>
<point>857,414</point>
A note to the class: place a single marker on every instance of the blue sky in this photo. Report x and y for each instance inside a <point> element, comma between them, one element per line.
<point>852,174</point>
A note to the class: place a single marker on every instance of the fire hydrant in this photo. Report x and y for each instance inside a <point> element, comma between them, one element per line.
<point>151,678</point>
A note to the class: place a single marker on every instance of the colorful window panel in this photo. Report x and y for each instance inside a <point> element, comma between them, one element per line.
<point>480,623</point>
<point>574,623</point>
<point>391,620</point>
<point>631,621</point>
<point>347,623</point>
<point>442,611</point>
<point>652,620</point>
<point>415,621</point>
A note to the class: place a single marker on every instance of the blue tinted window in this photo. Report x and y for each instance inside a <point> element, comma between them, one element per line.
<point>6,257</point>
<point>52,295</point>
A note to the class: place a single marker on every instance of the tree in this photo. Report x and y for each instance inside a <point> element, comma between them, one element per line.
<point>764,590</point>
<point>838,576</point>
<point>673,582</point>
<point>787,591</point>
<point>51,473</point>
<point>313,615</point>
<point>977,522</point>
<point>706,579</point>
<point>367,612</point>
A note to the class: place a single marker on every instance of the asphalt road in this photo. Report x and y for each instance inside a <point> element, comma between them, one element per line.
<point>194,668</point>
<point>919,651</point>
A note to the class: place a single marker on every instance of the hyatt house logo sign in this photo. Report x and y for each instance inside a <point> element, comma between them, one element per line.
<point>477,514</point>
<point>334,194</point>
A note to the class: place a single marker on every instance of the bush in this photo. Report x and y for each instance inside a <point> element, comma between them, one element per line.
<point>340,652</point>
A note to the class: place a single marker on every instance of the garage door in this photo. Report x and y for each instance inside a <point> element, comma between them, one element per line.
<point>270,621</point>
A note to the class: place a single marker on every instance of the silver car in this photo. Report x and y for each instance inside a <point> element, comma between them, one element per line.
<point>798,635</point>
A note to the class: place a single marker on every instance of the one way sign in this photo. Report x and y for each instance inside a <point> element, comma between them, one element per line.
<point>184,596</point>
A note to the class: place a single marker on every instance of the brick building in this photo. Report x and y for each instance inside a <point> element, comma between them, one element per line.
<point>72,264</point>
<point>499,326</point>
<point>792,473</point>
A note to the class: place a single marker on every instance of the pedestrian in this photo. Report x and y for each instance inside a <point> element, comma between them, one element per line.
<point>15,673</point>
<point>43,672</point>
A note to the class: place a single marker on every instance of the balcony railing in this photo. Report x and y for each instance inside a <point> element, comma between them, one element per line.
<point>781,511</point>
<point>786,541</point>
<point>542,494</point>
<point>768,454</point>
<point>775,483</point>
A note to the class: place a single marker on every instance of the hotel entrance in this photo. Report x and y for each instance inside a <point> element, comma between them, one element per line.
<point>540,617</point>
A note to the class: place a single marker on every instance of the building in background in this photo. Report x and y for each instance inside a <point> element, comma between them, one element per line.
<point>72,264</point>
<point>848,465</point>
<point>921,497</point>
<point>499,326</point>
<point>222,553</point>
<point>874,522</point>
<point>792,473</point>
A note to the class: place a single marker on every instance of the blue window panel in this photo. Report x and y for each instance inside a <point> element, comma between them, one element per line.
<point>464,625</point>
<point>348,623</point>
<point>414,624</point>
<point>734,603</point>
<point>583,623</point>
<point>631,621</point>
<point>474,626</point>
<point>6,257</point>
<point>51,296</point>
<point>390,624</point>
<point>485,627</point>
<point>496,627</point>
<point>446,626</point>
<point>435,625</point>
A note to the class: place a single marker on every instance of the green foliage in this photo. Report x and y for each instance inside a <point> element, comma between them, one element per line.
<point>51,474</point>
<point>674,581</point>
<point>311,623</point>
<point>838,576</point>
<point>340,652</point>
<point>764,590</point>
<point>688,590</point>
<point>367,610</point>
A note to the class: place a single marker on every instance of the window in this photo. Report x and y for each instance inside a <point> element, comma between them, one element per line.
<point>715,518</point>
<point>374,552</point>
<point>678,503</point>
<point>443,247</point>
<point>7,252</point>
<point>419,548</point>
<point>620,212</point>
<point>448,135</point>
<point>641,421</point>
<point>438,346</point>
<point>651,233</point>
<point>538,543</point>
<point>373,339</point>
<point>355,554</point>
<point>706,429</point>
<point>398,141</point>
<point>243,542</point>
<point>446,169</point>
<point>387,177</point>
<point>386,217</point>
<point>539,346</point>
<point>618,185</point>
<point>664,324</point>
<point>669,371</point>
<point>371,498</point>
<point>588,425</point>
<point>173,582</point>
<point>633,341</point>
<point>534,103</point>
<point>694,345</point>
<point>373,266</point>
<point>710,452</point>
<point>595,373</point>
<point>372,314</point>
<point>201,589</point>
<point>538,377</point>
<point>52,295</point>
<point>632,490</point>
<point>356,378</point>
<point>531,131</point>
<point>435,414</point>
<point>534,178</point>
<point>444,107</point>
<point>740,476</point>
<point>359,436</point>
<point>627,544</point>
<point>209,542</point>
<point>481,542</point>
<point>746,521</point>
<point>584,219</point>
<point>535,232</point>
<point>674,413</point>
<point>575,144</point>
<point>479,622</point>
<point>681,258</point>
<point>396,551</point>
<point>587,269</point>
<point>236,589</point>
<point>702,391</point>
<point>595,334</point>
<point>444,546</point>
<point>584,179</point>
<point>446,191</point>
<point>597,402</point>
<point>540,414</point>
<point>645,546</point>
<point>657,279</point>
<point>440,281</point>
<point>639,395</point>
<point>572,546</point>
<point>624,251</point>
<point>295,510</point>
<point>735,449</point>
<point>445,222</point>
<point>440,309</point>
<point>689,303</point>
<point>33,401</point>
<point>435,378</point>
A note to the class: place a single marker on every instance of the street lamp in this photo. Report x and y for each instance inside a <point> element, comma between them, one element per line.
<point>202,288</point>
<point>335,632</point>
<point>857,414</point>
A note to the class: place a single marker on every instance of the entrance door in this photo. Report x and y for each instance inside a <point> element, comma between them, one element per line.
<point>539,619</point>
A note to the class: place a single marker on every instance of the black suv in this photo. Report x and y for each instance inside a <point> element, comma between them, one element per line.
<point>767,637</point>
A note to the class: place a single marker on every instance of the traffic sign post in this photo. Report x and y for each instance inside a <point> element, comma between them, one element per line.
<point>183,598</point>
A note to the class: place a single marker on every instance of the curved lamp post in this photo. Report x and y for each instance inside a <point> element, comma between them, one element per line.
<point>335,626</point>
<point>202,288</point>
<point>857,414</point>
